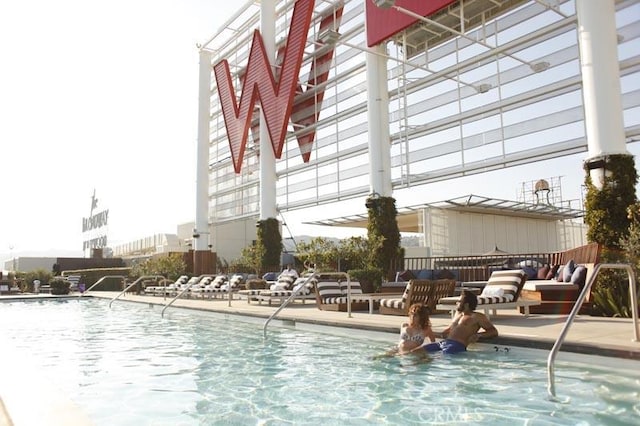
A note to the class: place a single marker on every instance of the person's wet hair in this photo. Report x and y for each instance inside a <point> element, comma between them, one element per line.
<point>470,298</point>
<point>422,312</point>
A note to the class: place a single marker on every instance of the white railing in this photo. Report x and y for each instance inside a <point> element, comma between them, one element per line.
<point>551,385</point>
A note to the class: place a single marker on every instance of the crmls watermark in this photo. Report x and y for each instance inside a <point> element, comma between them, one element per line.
<point>449,414</point>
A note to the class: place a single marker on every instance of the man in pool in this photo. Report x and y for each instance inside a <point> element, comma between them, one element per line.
<point>464,328</point>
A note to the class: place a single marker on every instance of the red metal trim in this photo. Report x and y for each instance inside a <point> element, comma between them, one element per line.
<point>385,23</point>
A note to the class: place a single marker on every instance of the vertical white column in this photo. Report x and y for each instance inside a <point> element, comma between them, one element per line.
<point>378,122</point>
<point>267,157</point>
<point>202,161</point>
<point>601,92</point>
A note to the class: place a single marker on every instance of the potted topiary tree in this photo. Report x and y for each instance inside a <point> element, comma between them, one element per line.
<point>59,286</point>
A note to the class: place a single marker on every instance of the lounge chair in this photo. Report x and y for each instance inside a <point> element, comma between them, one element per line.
<point>198,288</point>
<point>332,296</point>
<point>426,292</point>
<point>502,291</point>
<point>222,286</point>
<point>303,287</point>
<point>252,289</point>
<point>160,290</point>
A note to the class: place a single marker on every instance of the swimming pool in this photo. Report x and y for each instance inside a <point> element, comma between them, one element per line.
<point>129,366</point>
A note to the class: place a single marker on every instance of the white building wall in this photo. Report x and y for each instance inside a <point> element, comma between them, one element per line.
<point>229,238</point>
<point>454,233</point>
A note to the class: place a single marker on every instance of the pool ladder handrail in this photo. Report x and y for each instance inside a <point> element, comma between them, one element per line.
<point>181,292</point>
<point>144,277</point>
<point>295,293</point>
<point>551,385</point>
<point>122,277</point>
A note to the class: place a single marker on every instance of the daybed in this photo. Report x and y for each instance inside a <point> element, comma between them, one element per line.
<point>559,284</point>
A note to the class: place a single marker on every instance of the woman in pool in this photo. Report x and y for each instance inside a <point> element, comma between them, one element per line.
<point>414,332</point>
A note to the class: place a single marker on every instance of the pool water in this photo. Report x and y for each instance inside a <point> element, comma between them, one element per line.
<point>129,366</point>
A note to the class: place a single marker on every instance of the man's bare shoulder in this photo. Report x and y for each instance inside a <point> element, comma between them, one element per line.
<point>483,320</point>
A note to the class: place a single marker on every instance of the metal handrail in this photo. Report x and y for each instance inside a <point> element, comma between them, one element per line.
<point>551,385</point>
<point>286,302</point>
<point>295,293</point>
<point>180,293</point>
<point>145,277</point>
<point>100,281</point>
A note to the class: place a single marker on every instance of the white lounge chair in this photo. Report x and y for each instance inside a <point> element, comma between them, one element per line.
<point>303,287</point>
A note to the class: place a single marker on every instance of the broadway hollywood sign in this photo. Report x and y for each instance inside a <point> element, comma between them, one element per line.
<point>95,222</point>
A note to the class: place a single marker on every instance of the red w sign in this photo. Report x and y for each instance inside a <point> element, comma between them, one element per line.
<point>276,93</point>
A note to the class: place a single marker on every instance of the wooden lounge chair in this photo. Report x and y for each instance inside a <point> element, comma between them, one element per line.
<point>501,292</point>
<point>426,292</point>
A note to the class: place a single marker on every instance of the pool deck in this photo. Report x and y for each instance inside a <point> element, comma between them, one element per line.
<point>612,337</point>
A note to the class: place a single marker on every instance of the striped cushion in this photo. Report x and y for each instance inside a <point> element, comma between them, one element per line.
<point>219,280</point>
<point>253,292</point>
<point>397,303</point>
<point>276,293</point>
<point>509,281</point>
<point>334,300</point>
<point>355,287</point>
<point>286,280</point>
<point>236,280</point>
<point>393,303</point>
<point>205,281</point>
<point>192,281</point>
<point>328,289</point>
<point>308,287</point>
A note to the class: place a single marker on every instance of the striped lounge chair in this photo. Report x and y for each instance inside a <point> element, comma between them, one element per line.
<point>219,287</point>
<point>303,287</point>
<point>332,296</point>
<point>502,291</point>
<point>198,288</point>
<point>424,292</point>
<point>160,290</point>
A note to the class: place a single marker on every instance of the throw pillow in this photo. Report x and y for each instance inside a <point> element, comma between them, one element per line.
<point>553,272</point>
<point>543,272</point>
<point>492,291</point>
<point>579,276</point>
<point>568,271</point>
<point>530,271</point>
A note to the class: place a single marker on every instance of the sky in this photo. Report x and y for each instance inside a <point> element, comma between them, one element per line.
<point>102,96</point>
<point>99,95</point>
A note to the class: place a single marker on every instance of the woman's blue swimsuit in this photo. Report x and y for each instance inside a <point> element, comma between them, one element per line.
<point>446,346</point>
